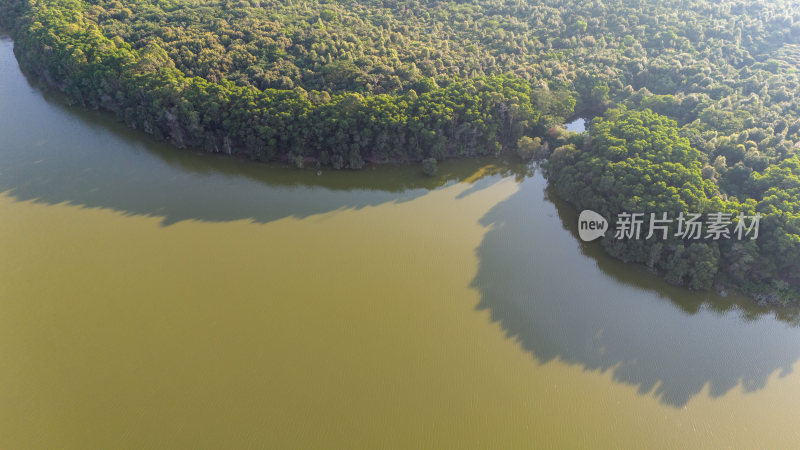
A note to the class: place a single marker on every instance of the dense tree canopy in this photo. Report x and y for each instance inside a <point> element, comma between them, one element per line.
<point>635,161</point>
<point>148,88</point>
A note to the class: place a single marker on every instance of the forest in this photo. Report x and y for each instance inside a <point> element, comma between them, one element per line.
<point>696,105</point>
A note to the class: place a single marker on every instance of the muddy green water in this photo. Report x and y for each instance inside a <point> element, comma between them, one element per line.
<point>156,298</point>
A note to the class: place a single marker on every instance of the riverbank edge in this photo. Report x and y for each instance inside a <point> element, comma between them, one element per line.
<point>39,68</point>
<point>99,73</point>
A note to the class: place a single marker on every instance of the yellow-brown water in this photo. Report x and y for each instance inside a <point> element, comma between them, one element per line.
<point>156,298</point>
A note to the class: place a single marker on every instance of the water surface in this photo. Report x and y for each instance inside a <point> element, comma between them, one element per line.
<point>576,126</point>
<point>151,297</point>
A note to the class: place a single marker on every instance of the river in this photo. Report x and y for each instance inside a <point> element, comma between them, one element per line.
<point>153,297</point>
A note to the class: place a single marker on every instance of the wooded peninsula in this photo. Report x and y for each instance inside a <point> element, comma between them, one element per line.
<point>696,105</point>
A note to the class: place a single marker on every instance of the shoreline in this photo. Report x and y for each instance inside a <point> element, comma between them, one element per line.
<point>169,125</point>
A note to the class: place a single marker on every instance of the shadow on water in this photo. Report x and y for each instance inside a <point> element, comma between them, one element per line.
<point>565,300</point>
<point>52,153</point>
<point>559,298</point>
